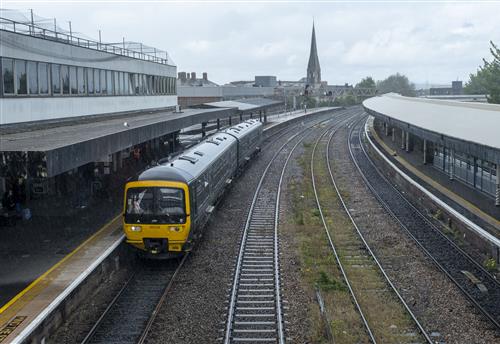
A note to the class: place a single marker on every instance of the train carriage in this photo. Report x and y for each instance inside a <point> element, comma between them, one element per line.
<point>168,205</point>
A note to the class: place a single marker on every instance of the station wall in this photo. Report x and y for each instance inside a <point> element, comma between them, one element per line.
<point>16,110</point>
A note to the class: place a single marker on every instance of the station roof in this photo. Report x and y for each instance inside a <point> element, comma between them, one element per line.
<point>472,122</point>
<point>245,104</point>
<point>74,144</point>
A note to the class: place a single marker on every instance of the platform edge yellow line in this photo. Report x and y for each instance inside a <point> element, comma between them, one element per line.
<point>55,266</point>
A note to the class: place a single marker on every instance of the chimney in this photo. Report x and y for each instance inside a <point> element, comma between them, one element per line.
<point>205,76</point>
<point>182,76</point>
<point>193,75</point>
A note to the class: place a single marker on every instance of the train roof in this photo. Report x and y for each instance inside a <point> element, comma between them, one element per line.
<point>191,163</point>
<point>243,128</point>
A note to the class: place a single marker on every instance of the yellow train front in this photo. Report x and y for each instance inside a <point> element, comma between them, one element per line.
<point>167,207</point>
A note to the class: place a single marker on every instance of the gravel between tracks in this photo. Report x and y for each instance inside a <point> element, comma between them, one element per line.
<point>195,310</point>
<point>300,299</point>
<point>443,310</point>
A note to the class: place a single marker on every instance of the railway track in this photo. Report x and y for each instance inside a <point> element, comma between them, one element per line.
<point>255,311</point>
<point>372,292</point>
<point>471,278</point>
<point>129,316</point>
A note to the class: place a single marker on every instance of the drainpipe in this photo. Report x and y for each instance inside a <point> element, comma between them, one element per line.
<point>425,151</point>
<point>452,164</point>
<point>403,139</point>
<point>393,134</point>
<point>497,193</point>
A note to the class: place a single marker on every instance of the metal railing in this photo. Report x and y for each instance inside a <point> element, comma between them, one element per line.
<point>129,49</point>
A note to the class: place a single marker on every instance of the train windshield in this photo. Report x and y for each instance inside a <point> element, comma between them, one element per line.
<point>159,205</point>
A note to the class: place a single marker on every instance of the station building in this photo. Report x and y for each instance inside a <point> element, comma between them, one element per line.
<point>462,140</point>
<point>79,116</point>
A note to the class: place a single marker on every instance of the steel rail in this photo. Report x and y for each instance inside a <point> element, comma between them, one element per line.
<point>332,245</point>
<point>96,325</point>
<point>155,312</point>
<point>90,335</point>
<point>241,252</point>
<point>372,254</point>
<point>414,238</point>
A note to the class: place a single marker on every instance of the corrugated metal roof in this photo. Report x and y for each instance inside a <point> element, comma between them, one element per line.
<point>472,122</point>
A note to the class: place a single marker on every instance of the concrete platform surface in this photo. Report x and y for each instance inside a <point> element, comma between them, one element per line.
<point>37,296</point>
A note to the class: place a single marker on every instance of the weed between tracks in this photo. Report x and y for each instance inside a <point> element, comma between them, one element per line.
<point>388,319</point>
<point>318,267</point>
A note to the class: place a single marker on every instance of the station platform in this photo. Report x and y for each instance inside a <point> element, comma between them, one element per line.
<point>24,308</point>
<point>37,269</point>
<point>473,204</point>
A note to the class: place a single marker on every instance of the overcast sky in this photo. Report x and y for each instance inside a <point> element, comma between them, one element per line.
<point>429,42</point>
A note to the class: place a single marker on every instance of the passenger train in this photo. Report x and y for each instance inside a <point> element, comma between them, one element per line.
<point>167,207</point>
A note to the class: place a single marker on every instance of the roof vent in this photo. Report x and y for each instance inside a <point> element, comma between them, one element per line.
<point>188,158</point>
<point>198,153</point>
<point>214,142</point>
<point>219,138</point>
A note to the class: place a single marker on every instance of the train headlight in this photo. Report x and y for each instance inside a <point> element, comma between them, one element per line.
<point>175,229</point>
<point>135,228</point>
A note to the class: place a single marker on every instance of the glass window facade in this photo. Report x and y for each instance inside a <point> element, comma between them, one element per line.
<point>475,172</point>
<point>43,77</point>
<point>82,85</point>
<point>104,85</point>
<point>34,78</point>
<point>109,81</point>
<point>55,79</point>
<point>73,80</point>
<point>97,81</point>
<point>8,75</point>
<point>65,79</point>
<point>90,81</point>
<point>21,81</point>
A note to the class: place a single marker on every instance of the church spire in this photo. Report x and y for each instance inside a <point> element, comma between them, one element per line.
<point>313,68</point>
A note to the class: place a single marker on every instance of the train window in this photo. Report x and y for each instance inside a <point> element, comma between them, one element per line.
<point>155,205</point>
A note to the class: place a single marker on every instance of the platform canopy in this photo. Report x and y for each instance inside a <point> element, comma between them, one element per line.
<point>68,145</point>
<point>472,128</point>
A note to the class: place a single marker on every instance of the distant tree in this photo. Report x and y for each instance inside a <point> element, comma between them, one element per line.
<point>487,78</point>
<point>476,84</point>
<point>397,83</point>
<point>367,82</point>
<point>346,100</point>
